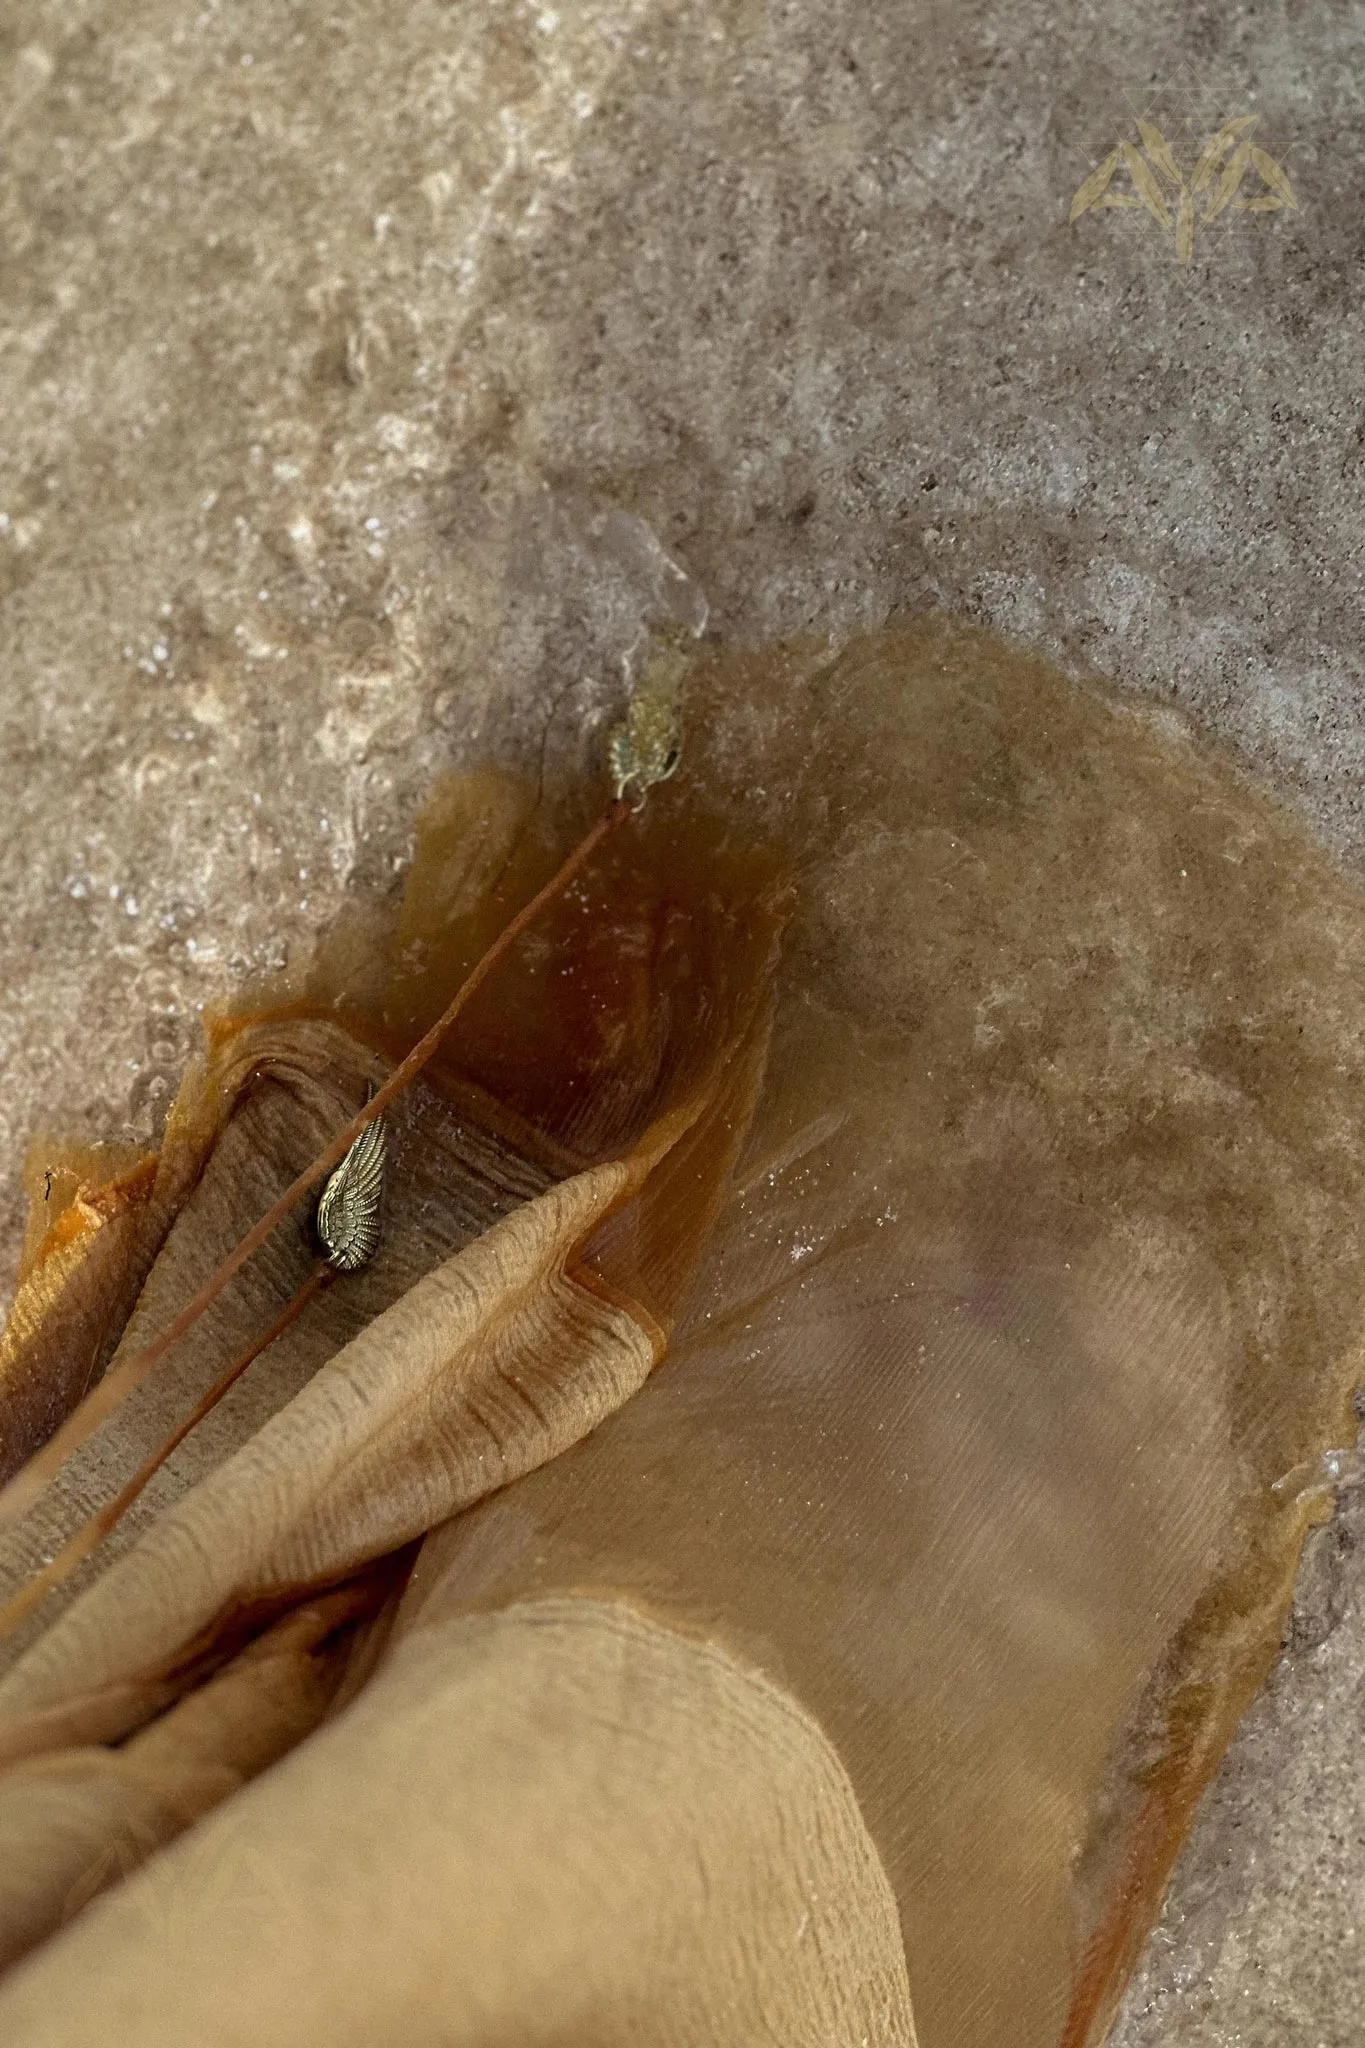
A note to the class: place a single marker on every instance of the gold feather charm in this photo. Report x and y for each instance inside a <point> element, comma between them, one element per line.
<point>647,746</point>
<point>348,1208</point>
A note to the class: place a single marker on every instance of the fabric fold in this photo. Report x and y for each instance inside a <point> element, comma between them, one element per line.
<point>494,1362</point>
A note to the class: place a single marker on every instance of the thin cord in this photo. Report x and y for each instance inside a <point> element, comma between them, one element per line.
<point>92,1533</point>
<point>28,1482</point>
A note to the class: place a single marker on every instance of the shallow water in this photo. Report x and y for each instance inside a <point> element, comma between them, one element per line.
<point>992,1424</point>
<point>1041,1272</point>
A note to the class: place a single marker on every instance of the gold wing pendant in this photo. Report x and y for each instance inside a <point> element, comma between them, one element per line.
<point>348,1208</point>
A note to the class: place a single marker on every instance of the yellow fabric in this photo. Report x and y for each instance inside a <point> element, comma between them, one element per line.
<point>489,1364</point>
<point>560,1824</point>
<point>79,1819</point>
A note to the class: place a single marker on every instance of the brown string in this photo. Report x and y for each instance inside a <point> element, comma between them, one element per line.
<point>92,1533</point>
<point>29,1481</point>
